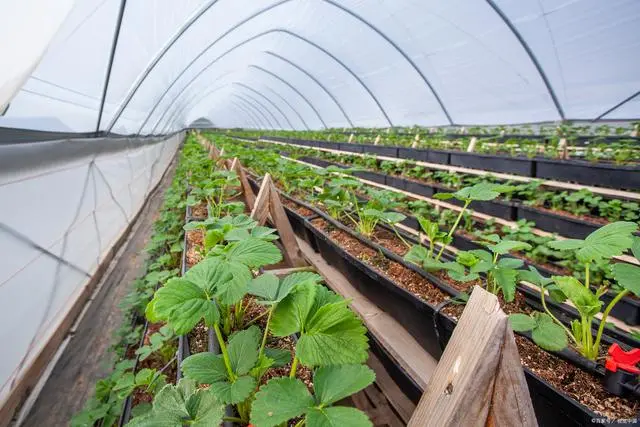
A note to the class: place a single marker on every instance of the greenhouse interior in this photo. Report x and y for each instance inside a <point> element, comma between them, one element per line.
<point>320,213</point>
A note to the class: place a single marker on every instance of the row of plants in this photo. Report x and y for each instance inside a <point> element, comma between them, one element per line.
<point>348,217</point>
<point>251,347</point>
<point>538,250</point>
<point>583,204</point>
<point>143,354</point>
<point>595,146</point>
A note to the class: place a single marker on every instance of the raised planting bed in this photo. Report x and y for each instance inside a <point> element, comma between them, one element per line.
<point>368,266</point>
<point>583,172</point>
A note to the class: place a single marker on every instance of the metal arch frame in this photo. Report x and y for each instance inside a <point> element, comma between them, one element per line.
<point>290,86</point>
<point>112,56</point>
<point>261,124</point>
<point>239,24</point>
<point>177,112</point>
<point>290,106</point>
<point>399,50</point>
<point>259,111</point>
<point>306,73</point>
<point>615,107</point>
<point>275,30</point>
<point>264,107</point>
<point>155,62</point>
<point>531,55</point>
<point>206,94</point>
<point>266,99</point>
<point>251,120</point>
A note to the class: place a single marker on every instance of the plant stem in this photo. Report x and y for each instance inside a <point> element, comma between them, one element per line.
<point>225,354</point>
<point>586,275</point>
<point>294,366</point>
<point>255,319</point>
<point>603,320</point>
<point>234,420</point>
<point>399,236</point>
<point>266,332</point>
<point>300,423</point>
<point>453,229</point>
<point>544,305</point>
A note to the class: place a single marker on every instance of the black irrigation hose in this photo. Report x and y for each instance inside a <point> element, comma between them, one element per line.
<point>436,326</point>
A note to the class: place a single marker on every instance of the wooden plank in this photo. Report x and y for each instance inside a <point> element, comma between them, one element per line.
<point>547,183</point>
<point>249,196</point>
<point>396,397</point>
<point>260,210</point>
<point>462,389</point>
<point>397,342</point>
<point>282,272</point>
<point>281,222</point>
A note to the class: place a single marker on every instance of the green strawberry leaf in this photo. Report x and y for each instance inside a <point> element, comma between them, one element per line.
<point>607,241</point>
<point>280,400</point>
<point>291,313</point>
<point>333,383</point>
<point>627,276</point>
<point>337,417</point>
<point>254,253</point>
<point>521,322</point>
<point>205,368</point>
<point>243,349</point>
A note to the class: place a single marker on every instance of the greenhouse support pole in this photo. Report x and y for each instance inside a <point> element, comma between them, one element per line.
<point>112,55</point>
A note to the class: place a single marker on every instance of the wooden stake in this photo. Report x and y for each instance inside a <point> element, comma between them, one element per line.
<point>564,151</point>
<point>479,380</point>
<point>350,138</point>
<point>472,144</point>
<point>268,204</point>
<point>377,141</point>
<point>249,196</point>
<point>636,131</point>
<point>416,141</point>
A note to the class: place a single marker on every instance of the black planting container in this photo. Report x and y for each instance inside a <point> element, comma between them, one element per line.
<point>371,176</point>
<point>603,175</point>
<point>504,164</point>
<point>439,156</point>
<point>352,148</point>
<point>395,182</point>
<point>380,150</point>
<point>552,408</point>
<point>555,223</point>
<point>415,187</point>
<point>417,154</point>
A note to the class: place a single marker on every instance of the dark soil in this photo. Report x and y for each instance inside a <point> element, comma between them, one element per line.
<point>195,241</point>
<point>200,211</point>
<point>297,208</point>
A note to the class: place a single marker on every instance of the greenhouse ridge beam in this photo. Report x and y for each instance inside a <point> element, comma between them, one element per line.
<point>293,88</point>
<point>266,99</point>
<point>400,51</point>
<point>532,56</point>
<point>277,30</point>
<point>305,72</point>
<point>112,55</point>
<point>618,105</point>
<point>155,62</point>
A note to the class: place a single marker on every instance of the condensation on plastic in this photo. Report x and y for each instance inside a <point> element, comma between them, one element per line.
<point>65,203</point>
<point>310,64</point>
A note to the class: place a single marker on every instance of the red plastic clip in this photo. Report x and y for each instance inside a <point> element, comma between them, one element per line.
<point>624,360</point>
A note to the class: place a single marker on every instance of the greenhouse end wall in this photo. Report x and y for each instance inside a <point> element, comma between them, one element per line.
<point>65,204</point>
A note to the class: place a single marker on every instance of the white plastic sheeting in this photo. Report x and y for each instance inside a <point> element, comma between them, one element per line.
<point>336,63</point>
<point>64,205</point>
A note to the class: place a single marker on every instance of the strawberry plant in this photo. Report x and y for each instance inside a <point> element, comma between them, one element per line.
<point>604,243</point>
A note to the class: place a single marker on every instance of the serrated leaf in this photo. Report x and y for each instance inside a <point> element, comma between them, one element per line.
<point>510,263</point>
<point>417,254</point>
<point>586,302</point>
<point>234,288</point>
<point>280,400</point>
<point>334,335</point>
<point>392,217</point>
<point>521,322</point>
<point>627,276</point>
<point>264,233</point>
<point>333,383</point>
<point>243,349</point>
<point>182,304</point>
<point>506,279</point>
<point>255,253</point>
<point>237,235</point>
<point>291,313</point>
<point>207,274</point>
<point>506,246</point>
<point>549,335</point>
<point>205,368</point>
<point>635,247</point>
<point>533,276</point>
<point>234,392</point>
<point>607,241</point>
<point>279,356</point>
<point>337,416</point>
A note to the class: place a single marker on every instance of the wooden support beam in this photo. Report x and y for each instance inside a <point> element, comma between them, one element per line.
<point>249,196</point>
<point>267,205</point>
<point>282,272</point>
<point>479,380</point>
